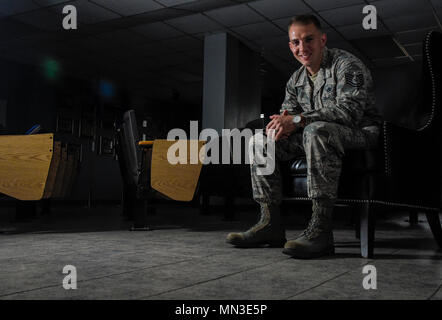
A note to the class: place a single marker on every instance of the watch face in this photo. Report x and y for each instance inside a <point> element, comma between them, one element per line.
<point>297,119</point>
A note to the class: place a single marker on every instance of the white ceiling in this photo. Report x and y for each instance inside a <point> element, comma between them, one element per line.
<point>164,39</point>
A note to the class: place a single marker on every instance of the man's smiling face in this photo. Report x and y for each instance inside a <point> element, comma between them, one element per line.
<point>307,44</point>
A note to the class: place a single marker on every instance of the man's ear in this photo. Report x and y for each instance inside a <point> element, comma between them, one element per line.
<point>324,38</point>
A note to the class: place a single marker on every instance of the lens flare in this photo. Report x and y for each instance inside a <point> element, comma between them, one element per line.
<point>106,89</point>
<point>51,68</point>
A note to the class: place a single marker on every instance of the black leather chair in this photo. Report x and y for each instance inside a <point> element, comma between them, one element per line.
<point>403,172</point>
<point>414,148</point>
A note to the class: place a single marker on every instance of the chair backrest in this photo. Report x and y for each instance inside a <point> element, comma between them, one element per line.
<point>408,94</point>
<point>414,156</point>
<point>398,93</point>
<point>128,152</point>
<point>432,79</point>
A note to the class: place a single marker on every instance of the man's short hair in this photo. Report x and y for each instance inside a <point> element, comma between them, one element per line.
<point>305,19</point>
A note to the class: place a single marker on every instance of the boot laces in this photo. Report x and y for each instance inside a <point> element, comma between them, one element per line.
<point>319,222</point>
<point>312,229</point>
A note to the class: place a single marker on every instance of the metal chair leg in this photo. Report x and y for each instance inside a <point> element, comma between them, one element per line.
<point>367,231</point>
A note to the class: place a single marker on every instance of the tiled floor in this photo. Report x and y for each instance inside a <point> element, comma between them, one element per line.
<point>185,257</point>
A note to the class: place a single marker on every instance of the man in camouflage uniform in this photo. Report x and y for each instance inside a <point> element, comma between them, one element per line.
<point>328,109</point>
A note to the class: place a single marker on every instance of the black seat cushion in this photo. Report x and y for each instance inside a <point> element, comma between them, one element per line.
<point>355,166</point>
<point>355,161</point>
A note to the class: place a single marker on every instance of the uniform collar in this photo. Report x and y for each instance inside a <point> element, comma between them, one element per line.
<point>323,73</point>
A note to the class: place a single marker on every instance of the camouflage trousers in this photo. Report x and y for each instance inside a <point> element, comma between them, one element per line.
<point>323,144</point>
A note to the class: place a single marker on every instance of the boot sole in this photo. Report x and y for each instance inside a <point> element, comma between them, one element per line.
<point>268,244</point>
<point>308,255</point>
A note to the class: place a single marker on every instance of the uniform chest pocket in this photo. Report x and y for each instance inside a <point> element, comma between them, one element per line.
<point>329,92</point>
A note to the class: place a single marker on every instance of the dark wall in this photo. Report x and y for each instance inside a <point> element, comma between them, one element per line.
<point>34,99</point>
<point>29,99</point>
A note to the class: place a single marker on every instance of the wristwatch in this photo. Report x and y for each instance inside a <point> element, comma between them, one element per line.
<point>298,120</point>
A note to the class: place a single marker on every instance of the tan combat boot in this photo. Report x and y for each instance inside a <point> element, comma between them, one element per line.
<point>268,231</point>
<point>317,239</point>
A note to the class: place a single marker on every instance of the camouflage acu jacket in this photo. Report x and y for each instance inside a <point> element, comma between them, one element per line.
<point>343,92</point>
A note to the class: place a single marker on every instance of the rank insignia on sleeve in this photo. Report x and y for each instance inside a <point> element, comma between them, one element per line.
<point>354,78</point>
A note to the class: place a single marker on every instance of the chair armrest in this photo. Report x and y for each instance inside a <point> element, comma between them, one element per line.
<point>145,143</point>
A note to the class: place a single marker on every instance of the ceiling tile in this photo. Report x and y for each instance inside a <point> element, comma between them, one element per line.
<point>417,57</point>
<point>9,7</point>
<point>396,8</point>
<point>45,3</point>
<point>371,47</point>
<point>88,12</point>
<point>412,36</point>
<point>389,62</point>
<point>437,4</point>
<point>258,30</point>
<point>285,53</point>
<point>320,5</point>
<point>274,9</point>
<point>155,49</point>
<point>411,22</point>
<point>195,23</point>
<point>439,15</point>
<point>333,35</point>
<point>203,35</point>
<point>158,31</point>
<point>343,16</point>
<point>205,5</point>
<point>171,3</point>
<point>42,19</point>
<point>284,22</point>
<point>235,15</point>
<point>151,16</point>
<point>123,37</point>
<point>278,42</point>
<point>413,49</point>
<point>356,31</point>
<point>129,7</point>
